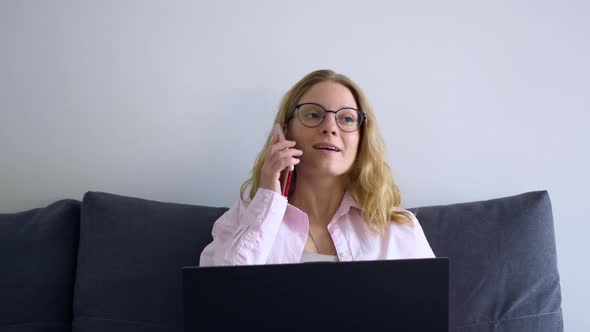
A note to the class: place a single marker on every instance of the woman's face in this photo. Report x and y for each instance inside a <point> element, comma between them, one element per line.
<point>316,160</point>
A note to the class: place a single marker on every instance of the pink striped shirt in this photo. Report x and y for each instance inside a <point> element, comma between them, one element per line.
<point>269,230</point>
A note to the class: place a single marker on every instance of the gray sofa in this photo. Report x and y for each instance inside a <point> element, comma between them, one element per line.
<point>113,263</point>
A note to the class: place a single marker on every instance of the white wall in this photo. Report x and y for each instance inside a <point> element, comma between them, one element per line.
<point>171,100</point>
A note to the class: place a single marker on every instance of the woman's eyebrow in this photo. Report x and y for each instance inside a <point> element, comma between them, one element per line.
<point>329,109</point>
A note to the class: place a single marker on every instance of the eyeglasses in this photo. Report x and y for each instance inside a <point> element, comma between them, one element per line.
<point>312,115</point>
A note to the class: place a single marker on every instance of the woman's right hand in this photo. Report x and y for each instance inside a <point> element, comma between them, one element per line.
<point>277,157</point>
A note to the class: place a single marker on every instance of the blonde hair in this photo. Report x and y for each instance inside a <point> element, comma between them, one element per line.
<point>369,181</point>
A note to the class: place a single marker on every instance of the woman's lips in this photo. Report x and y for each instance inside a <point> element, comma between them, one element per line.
<point>327,150</point>
<point>327,146</point>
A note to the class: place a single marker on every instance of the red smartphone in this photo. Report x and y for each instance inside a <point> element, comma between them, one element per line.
<point>285,178</point>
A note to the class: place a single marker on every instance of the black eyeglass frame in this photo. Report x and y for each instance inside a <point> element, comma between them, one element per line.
<point>363,116</point>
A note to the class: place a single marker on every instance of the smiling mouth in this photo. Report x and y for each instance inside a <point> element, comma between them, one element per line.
<point>327,148</point>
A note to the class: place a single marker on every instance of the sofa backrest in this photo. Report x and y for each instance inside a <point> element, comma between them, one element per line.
<point>125,274</point>
<point>503,262</point>
<point>130,259</point>
<point>38,252</point>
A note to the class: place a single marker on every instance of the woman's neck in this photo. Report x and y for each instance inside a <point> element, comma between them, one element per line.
<point>318,197</point>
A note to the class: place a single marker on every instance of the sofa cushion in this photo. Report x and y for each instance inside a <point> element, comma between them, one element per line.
<point>130,258</point>
<point>38,250</point>
<point>503,266</point>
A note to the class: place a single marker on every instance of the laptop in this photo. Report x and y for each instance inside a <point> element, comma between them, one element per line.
<point>384,295</point>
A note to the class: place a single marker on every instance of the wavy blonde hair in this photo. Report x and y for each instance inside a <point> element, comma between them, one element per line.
<point>369,180</point>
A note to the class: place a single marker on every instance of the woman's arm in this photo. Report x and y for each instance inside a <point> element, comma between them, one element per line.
<point>245,234</point>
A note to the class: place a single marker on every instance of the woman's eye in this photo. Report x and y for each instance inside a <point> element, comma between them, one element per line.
<point>313,115</point>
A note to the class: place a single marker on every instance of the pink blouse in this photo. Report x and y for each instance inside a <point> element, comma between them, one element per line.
<point>269,230</point>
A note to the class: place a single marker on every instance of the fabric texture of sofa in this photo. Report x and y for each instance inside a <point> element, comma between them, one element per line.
<point>113,263</point>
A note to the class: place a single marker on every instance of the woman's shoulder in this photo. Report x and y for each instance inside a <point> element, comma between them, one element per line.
<point>409,236</point>
<point>407,212</point>
<point>411,222</point>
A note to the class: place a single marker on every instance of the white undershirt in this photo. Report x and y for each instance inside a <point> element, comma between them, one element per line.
<point>314,257</point>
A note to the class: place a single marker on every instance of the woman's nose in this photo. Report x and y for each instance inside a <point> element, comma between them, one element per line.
<point>329,124</point>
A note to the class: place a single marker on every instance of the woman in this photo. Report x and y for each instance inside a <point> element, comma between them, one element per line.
<point>343,204</point>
